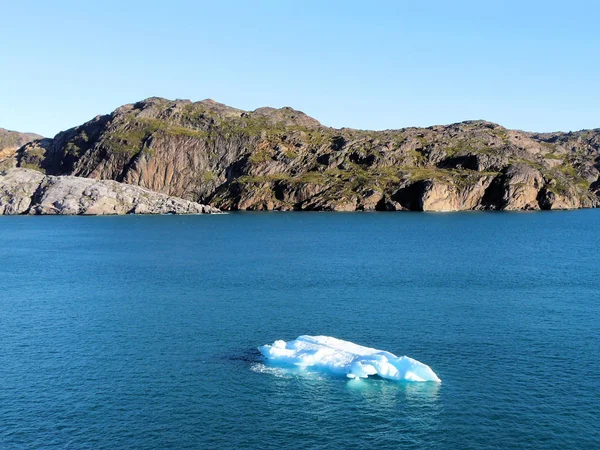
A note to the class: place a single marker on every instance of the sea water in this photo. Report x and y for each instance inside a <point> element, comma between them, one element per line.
<point>142,332</point>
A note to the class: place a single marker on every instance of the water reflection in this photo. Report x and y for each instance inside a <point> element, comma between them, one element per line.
<point>384,412</point>
<point>373,388</point>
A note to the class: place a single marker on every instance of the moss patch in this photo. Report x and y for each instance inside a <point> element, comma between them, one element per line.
<point>32,167</point>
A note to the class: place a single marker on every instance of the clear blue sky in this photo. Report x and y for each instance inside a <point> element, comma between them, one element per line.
<point>532,65</point>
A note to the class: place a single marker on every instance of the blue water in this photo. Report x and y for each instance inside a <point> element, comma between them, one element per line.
<point>141,332</point>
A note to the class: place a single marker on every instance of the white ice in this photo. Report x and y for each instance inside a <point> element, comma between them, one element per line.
<point>346,358</point>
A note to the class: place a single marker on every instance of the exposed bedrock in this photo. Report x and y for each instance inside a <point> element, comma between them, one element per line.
<point>24,191</point>
<point>281,159</point>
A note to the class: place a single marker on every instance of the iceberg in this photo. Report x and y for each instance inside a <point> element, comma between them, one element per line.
<point>340,357</point>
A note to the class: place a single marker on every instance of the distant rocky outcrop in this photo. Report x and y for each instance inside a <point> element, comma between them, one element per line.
<point>282,159</point>
<point>24,191</point>
<point>10,141</point>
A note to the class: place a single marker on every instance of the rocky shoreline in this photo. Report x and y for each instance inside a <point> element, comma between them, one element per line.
<point>24,191</point>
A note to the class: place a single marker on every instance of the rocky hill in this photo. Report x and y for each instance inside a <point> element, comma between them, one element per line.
<point>281,159</point>
<point>10,141</point>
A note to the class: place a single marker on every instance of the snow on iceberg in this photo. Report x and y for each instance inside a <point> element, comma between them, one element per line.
<point>346,358</point>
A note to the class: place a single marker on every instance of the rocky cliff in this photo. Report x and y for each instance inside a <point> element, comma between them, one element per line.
<point>24,191</point>
<point>284,160</point>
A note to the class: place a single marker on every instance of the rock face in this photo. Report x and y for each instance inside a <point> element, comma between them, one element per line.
<point>24,191</point>
<point>17,189</point>
<point>281,159</point>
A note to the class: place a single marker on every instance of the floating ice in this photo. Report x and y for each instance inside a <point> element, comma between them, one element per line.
<point>346,358</point>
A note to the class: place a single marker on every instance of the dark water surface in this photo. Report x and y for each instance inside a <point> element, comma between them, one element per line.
<point>141,332</point>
